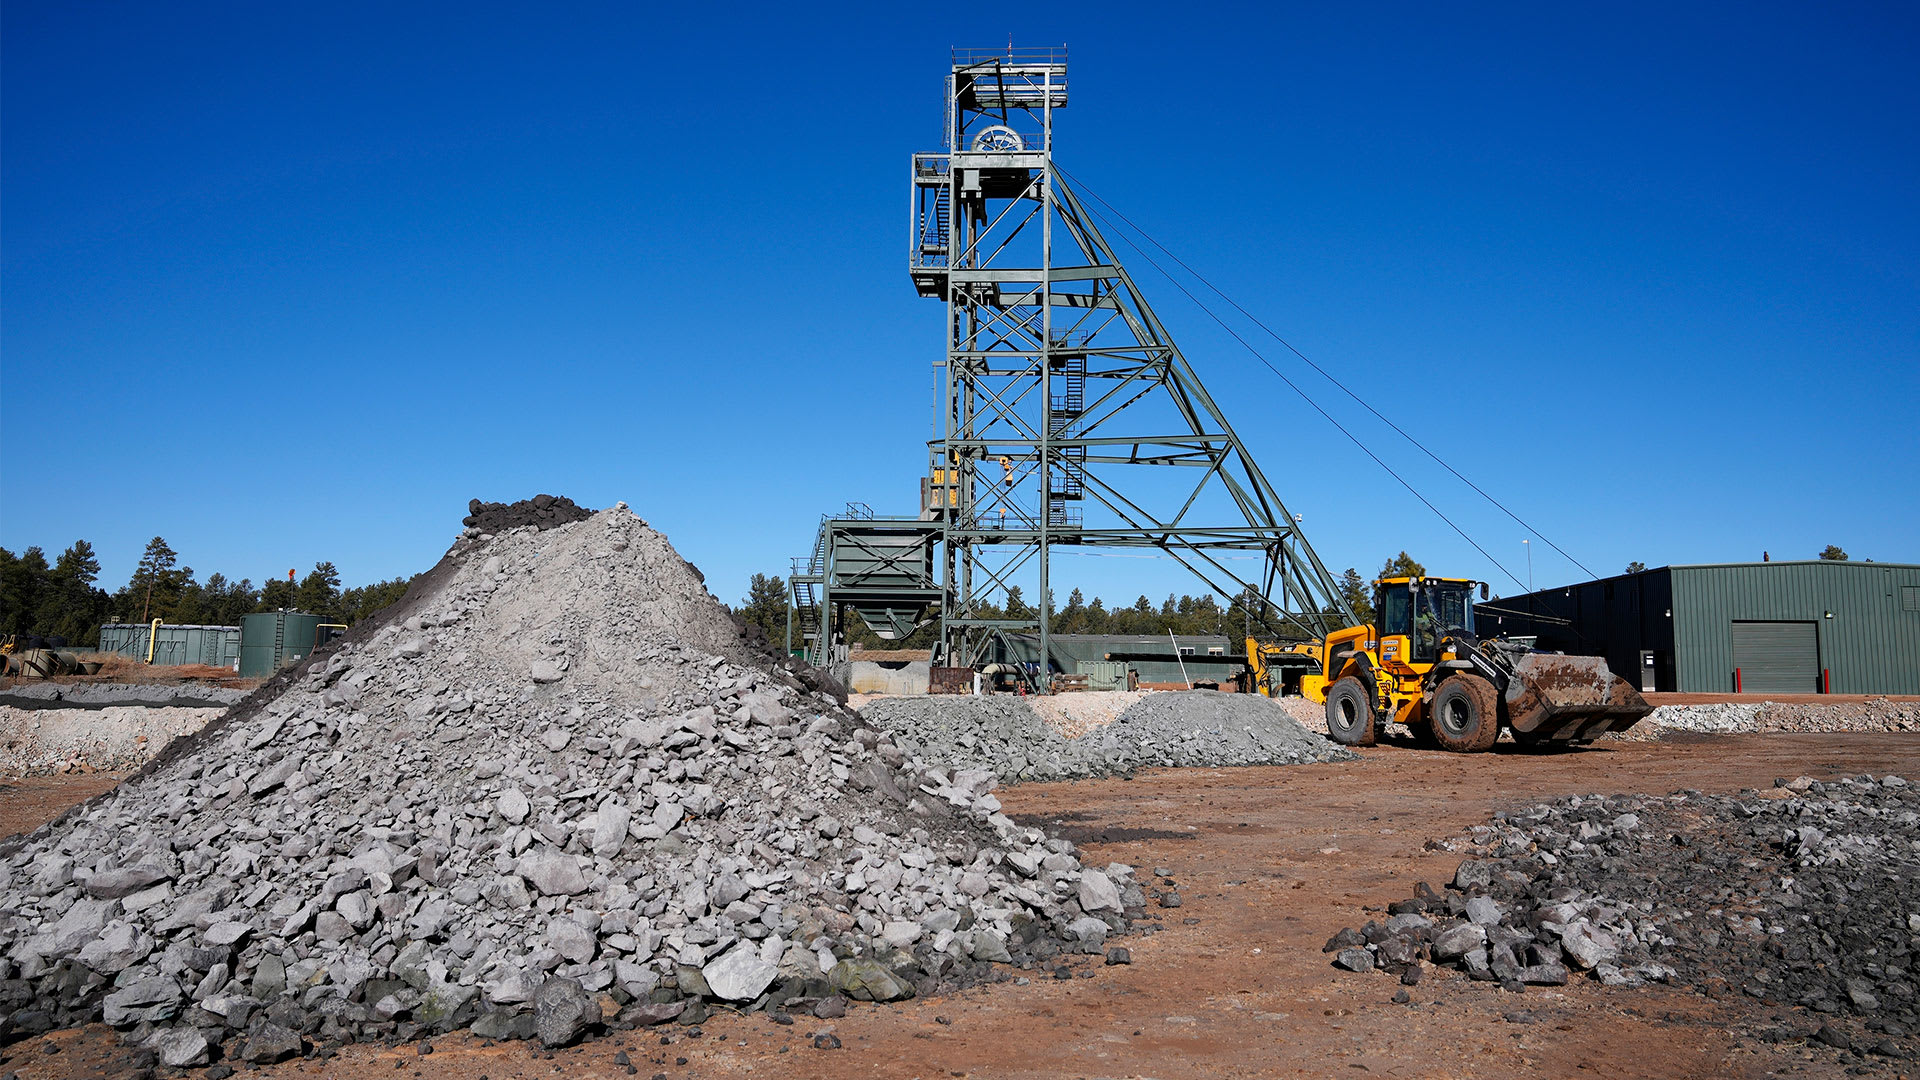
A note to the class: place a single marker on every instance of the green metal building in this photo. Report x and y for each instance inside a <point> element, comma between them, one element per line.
<point>1768,627</point>
<point>1200,657</point>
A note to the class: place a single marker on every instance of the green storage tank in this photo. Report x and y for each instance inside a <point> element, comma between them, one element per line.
<point>271,640</point>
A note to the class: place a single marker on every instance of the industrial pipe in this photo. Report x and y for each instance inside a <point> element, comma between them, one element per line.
<point>153,638</point>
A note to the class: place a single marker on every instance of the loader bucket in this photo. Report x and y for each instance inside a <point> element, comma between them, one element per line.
<point>1570,699</point>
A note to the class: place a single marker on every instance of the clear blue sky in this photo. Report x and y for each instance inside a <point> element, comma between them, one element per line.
<point>288,283</point>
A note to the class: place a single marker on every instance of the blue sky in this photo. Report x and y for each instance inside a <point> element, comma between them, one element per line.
<point>288,284</point>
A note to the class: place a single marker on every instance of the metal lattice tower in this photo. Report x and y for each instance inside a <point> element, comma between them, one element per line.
<point>1068,416</point>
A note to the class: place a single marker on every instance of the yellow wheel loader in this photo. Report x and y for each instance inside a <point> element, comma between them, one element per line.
<point>1419,663</point>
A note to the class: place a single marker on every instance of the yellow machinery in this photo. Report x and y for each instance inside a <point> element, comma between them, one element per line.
<point>1419,663</point>
<point>1278,669</point>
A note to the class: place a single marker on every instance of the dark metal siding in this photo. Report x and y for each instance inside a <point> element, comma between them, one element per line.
<point>1869,646</point>
<point>1614,618</point>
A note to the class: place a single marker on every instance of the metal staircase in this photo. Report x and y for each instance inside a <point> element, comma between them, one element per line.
<point>1067,488</point>
<point>933,224</point>
<point>804,584</point>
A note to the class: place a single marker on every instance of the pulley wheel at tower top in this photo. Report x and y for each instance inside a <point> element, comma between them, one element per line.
<point>999,139</point>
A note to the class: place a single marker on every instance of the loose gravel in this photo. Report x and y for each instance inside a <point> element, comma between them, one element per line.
<point>118,695</point>
<point>1003,735</point>
<point>39,742</point>
<point>1804,895</point>
<point>552,790</point>
<point>1740,718</point>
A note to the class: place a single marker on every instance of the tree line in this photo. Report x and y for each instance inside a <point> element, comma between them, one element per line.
<point>63,599</point>
<point>765,606</point>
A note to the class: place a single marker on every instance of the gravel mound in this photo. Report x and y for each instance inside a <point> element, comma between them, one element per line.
<point>1003,735</point>
<point>1807,894</point>
<point>43,741</point>
<point>1076,714</point>
<point>118,695</point>
<point>1741,718</point>
<point>551,790</point>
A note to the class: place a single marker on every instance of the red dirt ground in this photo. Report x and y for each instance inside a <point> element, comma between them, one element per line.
<point>1270,862</point>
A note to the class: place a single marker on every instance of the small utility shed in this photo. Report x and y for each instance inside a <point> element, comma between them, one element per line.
<point>1769,627</point>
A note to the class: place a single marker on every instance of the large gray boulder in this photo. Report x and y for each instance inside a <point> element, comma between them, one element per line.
<point>270,1044</point>
<point>1459,941</point>
<point>182,1048</point>
<point>740,974</point>
<point>554,873</point>
<point>152,998</point>
<point>1097,893</point>
<point>114,884</point>
<point>563,1011</point>
<point>866,979</point>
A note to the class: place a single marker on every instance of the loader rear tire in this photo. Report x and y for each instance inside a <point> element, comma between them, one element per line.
<point>1465,714</point>
<point>1350,713</point>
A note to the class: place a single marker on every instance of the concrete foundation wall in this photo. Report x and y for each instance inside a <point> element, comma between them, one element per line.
<point>895,677</point>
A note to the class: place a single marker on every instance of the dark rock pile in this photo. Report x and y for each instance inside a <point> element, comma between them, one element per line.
<point>541,512</point>
<point>1804,895</point>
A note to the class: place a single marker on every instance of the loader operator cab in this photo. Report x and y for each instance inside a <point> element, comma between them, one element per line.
<point>1423,610</point>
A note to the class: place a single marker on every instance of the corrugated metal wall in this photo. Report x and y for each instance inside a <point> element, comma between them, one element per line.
<point>218,646</point>
<point>1870,645</point>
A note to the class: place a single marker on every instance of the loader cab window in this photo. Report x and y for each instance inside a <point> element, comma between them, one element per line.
<point>1394,603</point>
<point>1438,608</point>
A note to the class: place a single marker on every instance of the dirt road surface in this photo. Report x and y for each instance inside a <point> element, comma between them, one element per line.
<point>1269,862</point>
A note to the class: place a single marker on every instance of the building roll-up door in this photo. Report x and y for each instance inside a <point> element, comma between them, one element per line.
<point>1777,657</point>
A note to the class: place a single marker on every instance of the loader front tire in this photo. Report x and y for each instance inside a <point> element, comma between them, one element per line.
<point>1350,713</point>
<point>1465,714</point>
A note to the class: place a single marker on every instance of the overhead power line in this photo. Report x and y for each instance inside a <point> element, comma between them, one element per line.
<point>1324,373</point>
<point>1338,426</point>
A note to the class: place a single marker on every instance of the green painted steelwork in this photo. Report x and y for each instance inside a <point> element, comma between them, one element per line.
<point>270,640</point>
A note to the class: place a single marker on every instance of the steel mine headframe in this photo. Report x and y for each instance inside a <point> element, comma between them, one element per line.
<point>1067,412</point>
<point>1068,418</point>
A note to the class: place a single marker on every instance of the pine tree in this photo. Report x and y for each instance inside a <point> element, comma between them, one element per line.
<point>71,607</point>
<point>1017,604</point>
<point>23,581</point>
<point>319,592</point>
<point>1353,589</point>
<point>1401,565</point>
<point>765,606</point>
<point>274,595</point>
<point>155,563</point>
